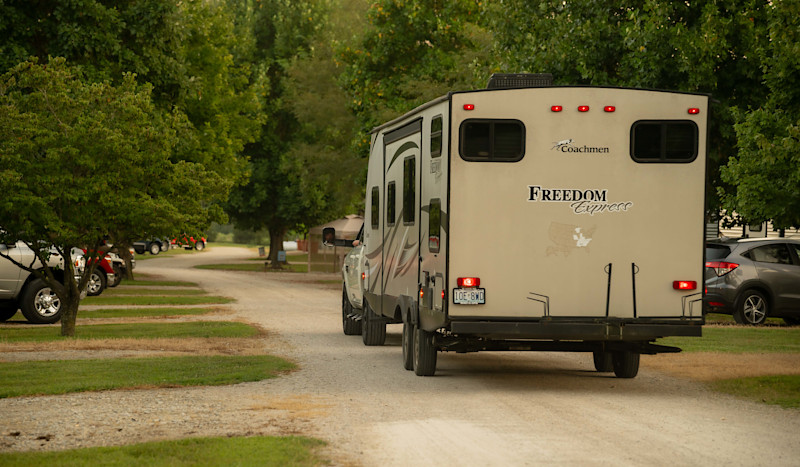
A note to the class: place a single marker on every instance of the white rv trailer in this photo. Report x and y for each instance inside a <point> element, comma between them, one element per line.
<point>528,216</point>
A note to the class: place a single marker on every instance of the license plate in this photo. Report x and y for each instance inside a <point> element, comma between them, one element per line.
<point>469,296</point>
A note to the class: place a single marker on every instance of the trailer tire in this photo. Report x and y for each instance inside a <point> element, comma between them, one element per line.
<point>424,353</point>
<point>408,345</point>
<point>626,364</point>
<point>350,326</point>
<point>603,361</point>
<point>373,327</point>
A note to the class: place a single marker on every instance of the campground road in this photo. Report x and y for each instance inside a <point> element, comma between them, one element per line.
<point>489,409</point>
<point>486,408</point>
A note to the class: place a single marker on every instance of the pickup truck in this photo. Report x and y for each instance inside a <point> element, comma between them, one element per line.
<point>353,287</point>
<point>23,290</point>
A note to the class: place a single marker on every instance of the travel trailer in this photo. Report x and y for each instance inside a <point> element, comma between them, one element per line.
<point>527,216</point>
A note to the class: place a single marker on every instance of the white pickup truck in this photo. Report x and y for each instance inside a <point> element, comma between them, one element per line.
<point>23,290</point>
<point>353,287</point>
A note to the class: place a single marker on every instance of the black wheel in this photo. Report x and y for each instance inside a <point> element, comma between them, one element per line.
<point>626,364</point>
<point>603,362</point>
<point>792,321</point>
<point>200,245</point>
<point>408,345</point>
<point>155,248</point>
<point>7,310</point>
<point>350,325</point>
<point>752,308</point>
<point>117,275</point>
<point>373,327</point>
<point>97,283</point>
<point>424,353</point>
<point>40,304</point>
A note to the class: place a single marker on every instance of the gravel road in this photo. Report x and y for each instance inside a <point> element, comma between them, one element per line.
<point>487,409</point>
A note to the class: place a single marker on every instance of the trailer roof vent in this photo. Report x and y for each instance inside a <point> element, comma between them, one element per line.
<point>519,80</point>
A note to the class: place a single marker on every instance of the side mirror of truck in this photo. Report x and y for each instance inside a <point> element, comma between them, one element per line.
<point>328,236</point>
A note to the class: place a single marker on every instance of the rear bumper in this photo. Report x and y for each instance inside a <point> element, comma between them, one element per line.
<point>583,330</point>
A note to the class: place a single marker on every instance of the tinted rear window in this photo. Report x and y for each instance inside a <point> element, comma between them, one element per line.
<point>715,252</point>
<point>492,140</point>
<point>664,141</point>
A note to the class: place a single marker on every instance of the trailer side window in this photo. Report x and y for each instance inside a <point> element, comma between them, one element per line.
<point>391,204</point>
<point>374,209</point>
<point>436,136</point>
<point>492,140</point>
<point>435,225</point>
<point>409,190</point>
<point>673,141</point>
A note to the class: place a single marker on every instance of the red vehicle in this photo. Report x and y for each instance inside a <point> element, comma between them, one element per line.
<point>104,275</point>
<point>188,242</point>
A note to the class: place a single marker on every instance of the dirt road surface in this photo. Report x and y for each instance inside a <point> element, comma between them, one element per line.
<point>490,409</point>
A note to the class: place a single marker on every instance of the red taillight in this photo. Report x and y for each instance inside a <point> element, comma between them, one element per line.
<point>363,276</point>
<point>469,281</point>
<point>556,108</point>
<point>684,285</point>
<point>609,108</point>
<point>583,108</point>
<point>442,294</point>
<point>469,106</point>
<point>694,111</point>
<point>721,267</point>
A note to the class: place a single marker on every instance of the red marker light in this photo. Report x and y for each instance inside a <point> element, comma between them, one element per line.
<point>468,281</point>
<point>556,108</point>
<point>363,275</point>
<point>469,106</point>
<point>609,108</point>
<point>442,294</point>
<point>694,111</point>
<point>583,108</point>
<point>684,285</point>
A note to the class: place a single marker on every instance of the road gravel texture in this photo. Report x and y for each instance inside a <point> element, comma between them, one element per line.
<point>489,409</point>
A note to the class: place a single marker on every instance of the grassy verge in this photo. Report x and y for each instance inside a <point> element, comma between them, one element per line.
<point>251,451</point>
<point>740,339</point>
<point>143,312</point>
<point>65,376</point>
<point>201,329</point>
<point>149,282</point>
<point>141,291</point>
<point>150,300</point>
<point>259,267</point>
<point>782,390</point>
<point>718,318</point>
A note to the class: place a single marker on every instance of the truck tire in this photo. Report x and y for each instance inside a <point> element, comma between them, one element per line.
<point>7,310</point>
<point>40,304</point>
<point>350,325</point>
<point>97,283</point>
<point>373,327</point>
<point>155,248</point>
<point>408,345</point>
<point>603,361</point>
<point>424,353</point>
<point>199,245</point>
<point>626,364</point>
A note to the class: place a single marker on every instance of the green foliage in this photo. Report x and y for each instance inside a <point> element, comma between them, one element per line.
<point>250,451</point>
<point>66,376</point>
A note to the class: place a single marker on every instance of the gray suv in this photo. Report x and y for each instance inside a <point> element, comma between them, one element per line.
<point>753,279</point>
<point>22,290</point>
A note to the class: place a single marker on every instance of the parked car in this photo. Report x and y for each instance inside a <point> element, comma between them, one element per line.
<point>154,246</point>
<point>753,279</point>
<point>25,291</point>
<point>353,287</point>
<point>187,242</point>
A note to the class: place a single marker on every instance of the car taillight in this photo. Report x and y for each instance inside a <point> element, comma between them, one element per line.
<point>721,267</point>
<point>684,285</point>
<point>469,281</point>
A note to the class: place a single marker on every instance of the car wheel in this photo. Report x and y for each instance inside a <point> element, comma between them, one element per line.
<point>97,283</point>
<point>408,345</point>
<point>7,310</point>
<point>793,321</point>
<point>200,245</point>
<point>373,327</point>
<point>626,364</point>
<point>40,304</point>
<point>164,246</point>
<point>603,361</point>
<point>752,309</point>
<point>350,325</point>
<point>155,248</point>
<point>424,353</point>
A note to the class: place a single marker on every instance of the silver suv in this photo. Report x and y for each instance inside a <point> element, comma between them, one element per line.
<point>753,279</point>
<point>22,290</point>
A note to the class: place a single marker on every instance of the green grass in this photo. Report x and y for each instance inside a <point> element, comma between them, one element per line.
<point>251,451</point>
<point>66,376</point>
<point>201,329</point>
<point>140,312</point>
<point>140,291</point>
<point>291,258</point>
<point>736,339</point>
<point>149,282</point>
<point>718,318</point>
<point>104,300</point>
<point>782,390</point>
<point>259,267</point>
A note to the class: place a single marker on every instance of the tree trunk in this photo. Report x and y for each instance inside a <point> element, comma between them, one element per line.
<point>124,252</point>
<point>70,315</point>
<point>275,245</point>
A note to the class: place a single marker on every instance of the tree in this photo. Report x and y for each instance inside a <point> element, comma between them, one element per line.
<point>764,176</point>
<point>80,161</point>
